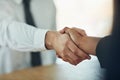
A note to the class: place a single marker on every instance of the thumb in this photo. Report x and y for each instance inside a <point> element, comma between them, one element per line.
<point>64,30</point>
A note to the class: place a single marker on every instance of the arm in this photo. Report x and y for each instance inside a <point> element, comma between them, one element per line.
<point>23,37</point>
<point>86,43</point>
<point>65,47</point>
<point>101,47</point>
<point>18,35</point>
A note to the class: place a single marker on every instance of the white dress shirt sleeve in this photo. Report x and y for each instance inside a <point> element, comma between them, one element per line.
<point>22,37</point>
<point>17,35</point>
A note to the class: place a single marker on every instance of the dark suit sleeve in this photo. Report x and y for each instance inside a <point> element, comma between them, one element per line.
<point>102,50</point>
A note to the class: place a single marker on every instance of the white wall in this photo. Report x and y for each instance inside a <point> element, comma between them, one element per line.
<point>95,16</point>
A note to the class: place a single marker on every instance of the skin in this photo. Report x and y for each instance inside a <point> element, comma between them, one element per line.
<point>65,47</point>
<point>86,43</point>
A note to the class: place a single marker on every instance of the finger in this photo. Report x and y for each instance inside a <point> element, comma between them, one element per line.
<point>80,31</point>
<point>71,62</point>
<point>77,60</point>
<point>77,50</point>
<point>63,30</point>
<point>63,58</point>
<point>82,54</point>
<point>76,39</point>
<point>59,56</point>
<point>66,29</point>
<point>70,57</point>
<point>75,36</point>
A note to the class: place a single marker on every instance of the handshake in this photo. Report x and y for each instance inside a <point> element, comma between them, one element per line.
<point>71,44</point>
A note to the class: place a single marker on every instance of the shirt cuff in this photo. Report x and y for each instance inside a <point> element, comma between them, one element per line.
<point>39,39</point>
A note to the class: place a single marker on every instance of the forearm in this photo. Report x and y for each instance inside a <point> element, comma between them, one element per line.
<point>92,44</point>
<point>87,43</point>
<point>22,37</point>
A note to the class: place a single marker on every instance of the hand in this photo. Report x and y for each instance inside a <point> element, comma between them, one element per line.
<point>86,43</point>
<point>80,31</point>
<point>65,47</point>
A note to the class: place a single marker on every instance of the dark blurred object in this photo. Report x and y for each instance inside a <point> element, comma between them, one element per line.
<point>35,56</point>
<point>108,49</point>
<point>113,68</point>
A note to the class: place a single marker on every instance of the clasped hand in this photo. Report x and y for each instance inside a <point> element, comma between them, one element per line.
<point>71,44</point>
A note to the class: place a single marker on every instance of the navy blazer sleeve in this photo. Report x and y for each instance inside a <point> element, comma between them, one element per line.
<point>108,51</point>
<point>102,50</point>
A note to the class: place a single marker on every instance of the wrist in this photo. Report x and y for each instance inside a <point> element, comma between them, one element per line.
<point>50,39</point>
<point>94,43</point>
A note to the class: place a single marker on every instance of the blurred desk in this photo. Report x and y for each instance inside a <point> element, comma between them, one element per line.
<point>54,72</point>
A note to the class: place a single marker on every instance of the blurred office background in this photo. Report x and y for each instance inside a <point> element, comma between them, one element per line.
<point>95,17</point>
